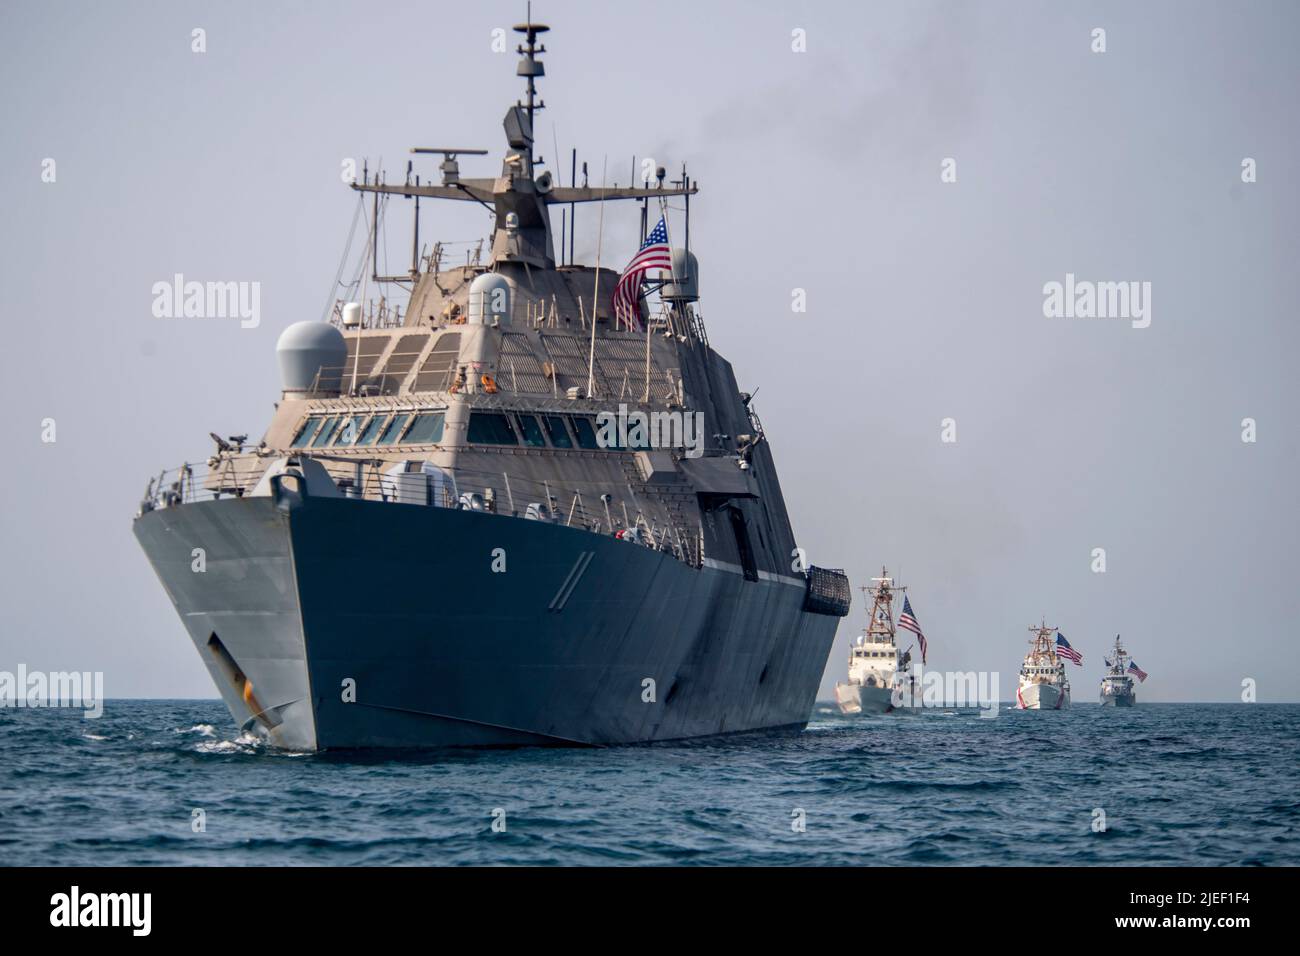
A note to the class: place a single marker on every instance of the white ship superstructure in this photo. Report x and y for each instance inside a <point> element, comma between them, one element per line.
<point>1043,684</point>
<point>874,665</point>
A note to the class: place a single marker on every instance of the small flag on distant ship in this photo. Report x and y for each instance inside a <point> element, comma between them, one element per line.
<point>907,620</point>
<point>1063,649</point>
<point>1137,671</point>
<point>654,254</point>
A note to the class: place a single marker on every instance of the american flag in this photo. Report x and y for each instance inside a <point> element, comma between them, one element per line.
<point>1139,672</point>
<point>907,621</point>
<point>654,254</point>
<point>1063,649</point>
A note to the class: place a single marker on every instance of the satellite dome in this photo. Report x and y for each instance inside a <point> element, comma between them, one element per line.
<point>312,356</point>
<point>489,299</point>
<point>684,284</point>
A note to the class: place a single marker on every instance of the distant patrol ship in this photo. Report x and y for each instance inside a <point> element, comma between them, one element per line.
<point>873,657</point>
<point>438,542</point>
<point>1043,684</point>
<point>875,668</point>
<point>1117,686</point>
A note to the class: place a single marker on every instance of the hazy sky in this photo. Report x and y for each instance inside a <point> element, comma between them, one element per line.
<point>818,170</point>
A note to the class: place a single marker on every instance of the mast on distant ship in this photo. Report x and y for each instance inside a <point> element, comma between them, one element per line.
<point>1041,644</point>
<point>881,630</point>
<point>1118,661</point>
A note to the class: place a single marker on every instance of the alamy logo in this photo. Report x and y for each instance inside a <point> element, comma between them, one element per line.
<point>56,689</point>
<point>179,299</point>
<point>941,689</point>
<point>624,429</point>
<point>103,909</point>
<point>1083,299</point>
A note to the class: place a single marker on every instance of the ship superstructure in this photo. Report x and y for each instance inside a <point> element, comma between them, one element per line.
<point>1117,688</point>
<point>874,665</point>
<point>440,540</point>
<point>1043,684</point>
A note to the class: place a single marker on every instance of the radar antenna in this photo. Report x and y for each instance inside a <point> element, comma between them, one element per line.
<point>524,237</point>
<point>531,68</point>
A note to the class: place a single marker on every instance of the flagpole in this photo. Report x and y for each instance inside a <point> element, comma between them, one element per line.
<point>663,212</point>
<point>646,398</point>
<point>595,296</point>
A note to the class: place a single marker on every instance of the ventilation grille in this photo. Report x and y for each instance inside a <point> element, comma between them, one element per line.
<point>435,373</point>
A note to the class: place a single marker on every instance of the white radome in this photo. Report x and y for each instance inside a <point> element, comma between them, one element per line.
<point>306,349</point>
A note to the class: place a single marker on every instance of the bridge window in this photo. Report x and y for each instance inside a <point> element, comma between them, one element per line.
<point>393,429</point>
<point>531,431</point>
<point>349,430</point>
<point>490,428</point>
<point>638,436</point>
<point>306,432</point>
<point>586,433</point>
<point>425,430</point>
<point>368,436</point>
<point>326,433</point>
<point>558,433</point>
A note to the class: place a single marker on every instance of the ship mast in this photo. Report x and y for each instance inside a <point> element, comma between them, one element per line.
<point>881,629</point>
<point>519,198</point>
<point>1118,659</point>
<point>531,68</point>
<point>1042,643</point>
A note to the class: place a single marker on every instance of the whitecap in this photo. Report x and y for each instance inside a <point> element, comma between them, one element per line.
<point>223,747</point>
<point>203,730</point>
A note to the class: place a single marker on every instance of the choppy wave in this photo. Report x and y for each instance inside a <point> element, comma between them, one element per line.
<point>172,782</point>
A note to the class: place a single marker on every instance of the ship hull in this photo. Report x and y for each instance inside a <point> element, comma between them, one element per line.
<point>1117,691</point>
<point>341,623</point>
<point>1042,697</point>
<point>860,699</point>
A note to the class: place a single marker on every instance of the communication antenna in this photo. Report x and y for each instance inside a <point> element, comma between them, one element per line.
<point>595,296</point>
<point>531,68</point>
<point>449,166</point>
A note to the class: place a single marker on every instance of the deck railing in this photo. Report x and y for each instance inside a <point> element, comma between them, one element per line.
<point>584,504</point>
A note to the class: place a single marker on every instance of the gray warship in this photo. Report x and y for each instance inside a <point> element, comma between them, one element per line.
<point>440,540</point>
<point>1117,689</point>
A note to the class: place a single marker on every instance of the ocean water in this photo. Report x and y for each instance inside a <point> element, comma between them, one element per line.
<point>1177,783</point>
